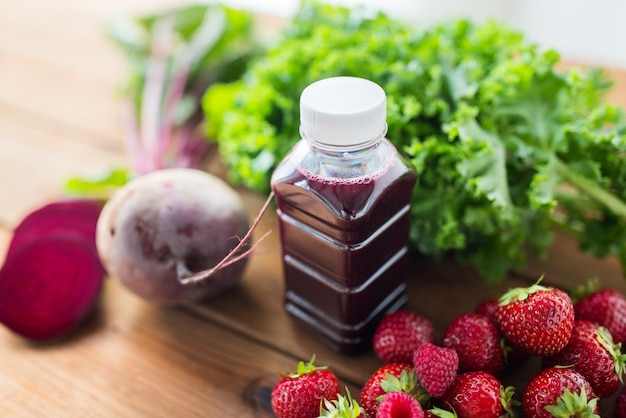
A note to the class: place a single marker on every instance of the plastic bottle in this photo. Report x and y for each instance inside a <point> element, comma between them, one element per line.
<point>343,195</point>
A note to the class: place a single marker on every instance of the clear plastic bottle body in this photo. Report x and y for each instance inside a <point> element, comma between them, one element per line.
<point>344,224</point>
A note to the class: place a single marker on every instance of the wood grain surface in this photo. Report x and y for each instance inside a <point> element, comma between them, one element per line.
<point>59,116</point>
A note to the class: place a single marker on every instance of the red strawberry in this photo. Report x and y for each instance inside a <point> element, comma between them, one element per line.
<point>399,334</point>
<point>300,395</point>
<point>512,355</point>
<point>488,308</point>
<point>559,392</point>
<point>620,404</point>
<point>606,307</point>
<point>592,352</point>
<point>537,319</point>
<point>435,368</point>
<point>399,405</point>
<point>478,395</point>
<point>476,340</point>
<point>391,377</point>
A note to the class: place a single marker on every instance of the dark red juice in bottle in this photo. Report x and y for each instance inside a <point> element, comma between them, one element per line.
<point>344,225</point>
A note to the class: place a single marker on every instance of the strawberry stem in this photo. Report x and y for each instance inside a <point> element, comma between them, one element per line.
<point>604,337</point>
<point>407,383</point>
<point>306,368</point>
<point>519,294</point>
<point>584,291</point>
<point>507,401</point>
<point>442,413</point>
<point>574,405</point>
<point>342,407</point>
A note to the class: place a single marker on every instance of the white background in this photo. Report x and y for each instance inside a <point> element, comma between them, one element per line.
<point>586,31</point>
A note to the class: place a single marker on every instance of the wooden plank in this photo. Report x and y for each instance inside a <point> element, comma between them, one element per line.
<point>566,265</point>
<point>133,359</point>
<point>35,166</point>
<point>5,236</point>
<point>65,76</point>
<point>79,68</point>
<point>58,117</point>
<point>76,93</point>
<point>112,365</point>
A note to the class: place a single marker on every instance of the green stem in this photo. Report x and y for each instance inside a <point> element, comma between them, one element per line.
<point>560,222</point>
<point>574,198</point>
<point>592,190</point>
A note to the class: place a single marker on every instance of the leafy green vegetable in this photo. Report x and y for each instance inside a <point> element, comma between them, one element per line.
<point>506,145</point>
<point>98,187</point>
<point>173,57</point>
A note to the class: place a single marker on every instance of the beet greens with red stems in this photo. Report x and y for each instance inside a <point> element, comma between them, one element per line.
<point>173,56</point>
<point>500,136</point>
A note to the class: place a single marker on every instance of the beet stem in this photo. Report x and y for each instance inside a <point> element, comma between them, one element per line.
<point>151,103</point>
<point>181,269</point>
<point>132,140</point>
<point>233,256</point>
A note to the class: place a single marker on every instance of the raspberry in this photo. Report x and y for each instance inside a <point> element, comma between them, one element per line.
<point>436,368</point>
<point>399,405</point>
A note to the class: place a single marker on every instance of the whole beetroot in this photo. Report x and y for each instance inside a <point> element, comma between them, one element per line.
<point>163,226</point>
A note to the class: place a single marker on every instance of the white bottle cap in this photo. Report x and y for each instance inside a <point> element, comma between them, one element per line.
<point>343,111</point>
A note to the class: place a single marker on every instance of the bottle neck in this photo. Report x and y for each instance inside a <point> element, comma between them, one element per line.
<point>358,164</point>
<point>350,154</point>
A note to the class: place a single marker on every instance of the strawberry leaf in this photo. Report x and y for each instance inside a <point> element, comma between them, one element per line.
<point>507,401</point>
<point>604,337</point>
<point>442,413</point>
<point>342,407</point>
<point>520,294</point>
<point>306,368</point>
<point>407,383</point>
<point>570,404</point>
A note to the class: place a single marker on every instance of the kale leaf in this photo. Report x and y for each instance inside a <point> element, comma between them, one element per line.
<point>505,143</point>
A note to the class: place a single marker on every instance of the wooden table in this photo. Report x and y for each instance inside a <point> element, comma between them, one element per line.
<point>59,117</point>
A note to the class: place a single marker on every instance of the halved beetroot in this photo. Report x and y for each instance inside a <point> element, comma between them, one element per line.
<point>47,286</point>
<point>72,217</point>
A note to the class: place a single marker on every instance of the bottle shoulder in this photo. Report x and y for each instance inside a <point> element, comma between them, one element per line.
<point>348,168</point>
<point>367,196</point>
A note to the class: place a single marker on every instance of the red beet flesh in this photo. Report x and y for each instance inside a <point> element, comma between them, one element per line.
<point>47,286</point>
<point>72,217</point>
